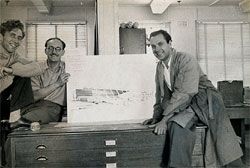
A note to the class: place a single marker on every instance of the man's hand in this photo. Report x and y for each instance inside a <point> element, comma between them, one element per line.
<point>150,121</point>
<point>43,92</point>
<point>63,79</point>
<point>161,128</point>
<point>4,71</point>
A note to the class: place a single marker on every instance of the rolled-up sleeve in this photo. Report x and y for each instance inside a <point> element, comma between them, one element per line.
<point>29,70</point>
<point>36,83</point>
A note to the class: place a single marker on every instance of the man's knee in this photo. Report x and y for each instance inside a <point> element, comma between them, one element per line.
<point>21,80</point>
<point>55,113</point>
<point>44,112</point>
<point>176,130</point>
<point>172,126</point>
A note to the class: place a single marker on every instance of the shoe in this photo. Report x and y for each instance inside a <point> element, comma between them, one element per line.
<point>5,126</point>
<point>14,115</point>
<point>21,122</point>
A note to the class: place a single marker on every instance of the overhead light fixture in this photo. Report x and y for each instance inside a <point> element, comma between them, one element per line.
<point>42,6</point>
<point>7,2</point>
<point>213,3</point>
<point>159,6</point>
<point>245,5</point>
<point>179,2</point>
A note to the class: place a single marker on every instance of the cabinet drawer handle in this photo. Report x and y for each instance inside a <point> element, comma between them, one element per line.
<point>42,158</point>
<point>111,154</point>
<point>111,165</point>
<point>41,147</point>
<point>110,142</point>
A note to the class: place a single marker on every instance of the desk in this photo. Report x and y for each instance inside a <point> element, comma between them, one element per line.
<point>119,145</point>
<point>110,146</point>
<point>240,112</point>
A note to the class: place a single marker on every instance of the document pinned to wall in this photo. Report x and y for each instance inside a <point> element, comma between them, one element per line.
<point>110,88</point>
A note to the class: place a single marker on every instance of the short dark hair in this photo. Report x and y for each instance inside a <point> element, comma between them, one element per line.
<point>55,38</point>
<point>10,25</point>
<point>163,32</point>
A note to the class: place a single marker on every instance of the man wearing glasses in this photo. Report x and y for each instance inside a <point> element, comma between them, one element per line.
<point>49,87</point>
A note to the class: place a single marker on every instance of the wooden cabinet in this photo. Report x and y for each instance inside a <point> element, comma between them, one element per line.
<point>132,41</point>
<point>123,145</point>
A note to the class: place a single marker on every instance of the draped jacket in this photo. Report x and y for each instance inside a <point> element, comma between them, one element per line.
<point>193,94</point>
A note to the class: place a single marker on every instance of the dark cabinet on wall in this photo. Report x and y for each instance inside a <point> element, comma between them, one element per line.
<point>132,41</point>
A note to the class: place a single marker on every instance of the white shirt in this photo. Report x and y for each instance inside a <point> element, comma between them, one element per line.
<point>167,73</point>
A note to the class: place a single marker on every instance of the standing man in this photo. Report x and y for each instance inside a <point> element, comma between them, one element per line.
<point>49,88</point>
<point>184,96</point>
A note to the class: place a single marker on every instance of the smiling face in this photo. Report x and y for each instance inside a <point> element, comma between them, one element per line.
<point>54,50</point>
<point>160,47</point>
<point>12,40</point>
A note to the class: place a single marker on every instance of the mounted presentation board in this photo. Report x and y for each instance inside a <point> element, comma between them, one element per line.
<point>110,88</point>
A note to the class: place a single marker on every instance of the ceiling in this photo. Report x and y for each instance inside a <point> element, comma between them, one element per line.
<point>126,2</point>
<point>53,2</point>
<point>183,2</point>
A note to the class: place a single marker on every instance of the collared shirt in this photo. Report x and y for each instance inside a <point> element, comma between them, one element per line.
<point>167,73</point>
<point>21,67</point>
<point>7,59</point>
<point>50,77</point>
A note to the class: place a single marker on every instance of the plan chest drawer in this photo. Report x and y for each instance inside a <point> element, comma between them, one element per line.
<point>110,146</point>
<point>99,148</point>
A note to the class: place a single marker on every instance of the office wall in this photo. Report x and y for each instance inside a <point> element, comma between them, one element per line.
<point>183,19</point>
<point>58,14</point>
<point>108,27</point>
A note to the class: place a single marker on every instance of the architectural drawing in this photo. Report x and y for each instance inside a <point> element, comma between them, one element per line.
<point>110,88</point>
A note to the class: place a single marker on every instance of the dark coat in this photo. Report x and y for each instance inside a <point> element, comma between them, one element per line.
<point>192,93</point>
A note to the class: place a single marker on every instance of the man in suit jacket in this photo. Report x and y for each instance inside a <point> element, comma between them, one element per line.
<point>184,97</point>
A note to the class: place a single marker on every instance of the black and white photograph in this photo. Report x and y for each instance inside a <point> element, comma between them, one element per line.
<point>125,83</point>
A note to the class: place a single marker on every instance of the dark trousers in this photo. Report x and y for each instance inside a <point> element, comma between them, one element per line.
<point>43,111</point>
<point>18,95</point>
<point>181,143</point>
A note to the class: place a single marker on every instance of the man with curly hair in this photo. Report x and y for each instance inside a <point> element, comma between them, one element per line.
<point>15,85</point>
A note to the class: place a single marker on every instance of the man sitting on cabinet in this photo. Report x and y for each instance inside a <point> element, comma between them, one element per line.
<point>184,96</point>
<point>15,70</point>
<point>49,88</point>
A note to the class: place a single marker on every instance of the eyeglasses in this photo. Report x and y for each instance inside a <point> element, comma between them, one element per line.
<point>57,49</point>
